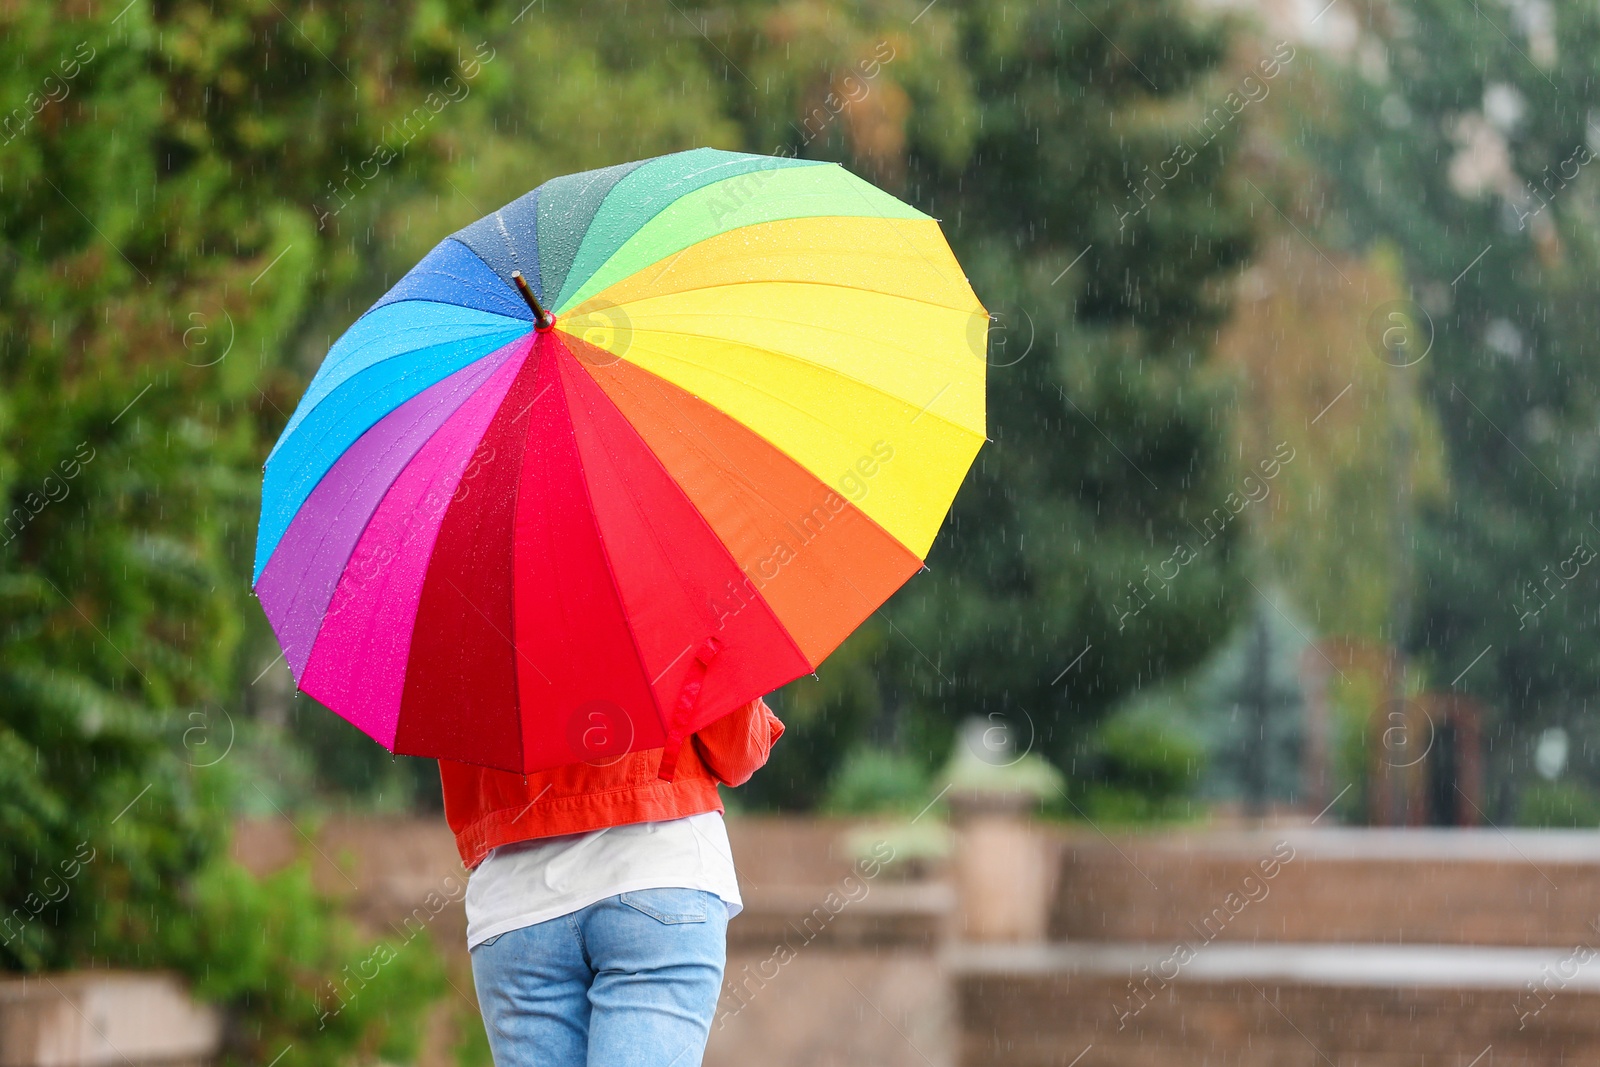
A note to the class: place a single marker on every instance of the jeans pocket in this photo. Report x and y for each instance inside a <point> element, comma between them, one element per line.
<point>670,906</point>
<point>486,942</point>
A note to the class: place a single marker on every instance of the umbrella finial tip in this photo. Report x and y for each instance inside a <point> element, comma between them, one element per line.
<point>542,319</point>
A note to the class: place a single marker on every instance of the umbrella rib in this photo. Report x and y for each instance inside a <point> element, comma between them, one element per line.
<point>298,472</point>
<point>665,390</point>
<point>798,359</point>
<point>400,443</point>
<point>778,399</point>
<point>664,394</point>
<point>897,223</point>
<point>451,332</point>
<point>297,420</point>
<point>568,285</point>
<point>497,630</point>
<point>792,459</point>
<point>505,236</point>
<point>976,309</point>
<point>516,506</point>
<point>444,303</point>
<point>744,316</point>
<point>856,186</point>
<point>753,225</point>
<point>600,540</point>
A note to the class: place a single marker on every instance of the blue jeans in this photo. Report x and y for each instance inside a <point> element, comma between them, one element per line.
<point>629,981</point>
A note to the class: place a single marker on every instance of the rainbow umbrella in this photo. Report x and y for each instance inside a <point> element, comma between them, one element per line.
<point>613,461</point>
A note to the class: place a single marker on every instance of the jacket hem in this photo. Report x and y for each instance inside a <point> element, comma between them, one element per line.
<point>653,803</point>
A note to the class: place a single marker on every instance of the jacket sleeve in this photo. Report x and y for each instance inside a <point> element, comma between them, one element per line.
<point>737,745</point>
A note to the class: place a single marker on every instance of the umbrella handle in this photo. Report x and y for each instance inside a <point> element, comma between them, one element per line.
<point>542,319</point>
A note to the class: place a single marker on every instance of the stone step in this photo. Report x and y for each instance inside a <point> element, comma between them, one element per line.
<point>853,914</point>
<point>1232,1005</point>
<point>1481,887</point>
<point>832,1007</point>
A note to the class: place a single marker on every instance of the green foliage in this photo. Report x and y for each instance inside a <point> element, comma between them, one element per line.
<point>1243,709</point>
<point>157,244</point>
<point>159,249</point>
<point>1147,757</point>
<point>873,780</point>
<point>1143,764</point>
<point>977,767</point>
<point>1566,803</point>
<point>1325,527</point>
<point>472,1046</point>
<point>290,970</point>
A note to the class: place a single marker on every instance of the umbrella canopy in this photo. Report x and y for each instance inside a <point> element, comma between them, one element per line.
<point>637,448</point>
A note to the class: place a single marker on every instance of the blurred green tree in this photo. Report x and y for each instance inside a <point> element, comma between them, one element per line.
<point>167,170</point>
<point>1028,129</point>
<point>1466,140</point>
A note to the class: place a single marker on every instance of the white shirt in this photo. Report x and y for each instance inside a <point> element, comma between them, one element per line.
<point>533,881</point>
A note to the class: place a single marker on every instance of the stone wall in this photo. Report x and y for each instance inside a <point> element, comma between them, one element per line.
<point>1035,945</point>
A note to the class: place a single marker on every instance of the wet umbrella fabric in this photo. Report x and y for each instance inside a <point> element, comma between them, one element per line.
<point>524,547</point>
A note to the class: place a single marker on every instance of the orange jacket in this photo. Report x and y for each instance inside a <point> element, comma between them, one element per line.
<point>487,808</point>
